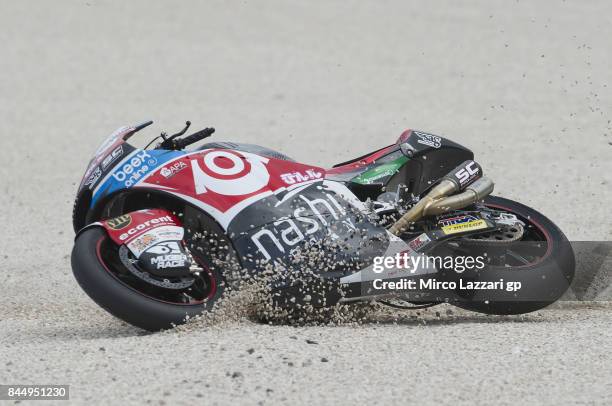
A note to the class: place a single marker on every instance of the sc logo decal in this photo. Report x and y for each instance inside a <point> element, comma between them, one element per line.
<point>467,173</point>
<point>229,173</point>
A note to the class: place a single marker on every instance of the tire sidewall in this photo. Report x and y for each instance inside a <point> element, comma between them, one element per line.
<point>123,301</point>
<point>541,283</point>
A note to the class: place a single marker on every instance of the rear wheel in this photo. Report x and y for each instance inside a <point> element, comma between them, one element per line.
<point>103,270</point>
<point>542,261</point>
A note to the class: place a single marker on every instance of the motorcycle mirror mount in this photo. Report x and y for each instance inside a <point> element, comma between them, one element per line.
<point>136,128</point>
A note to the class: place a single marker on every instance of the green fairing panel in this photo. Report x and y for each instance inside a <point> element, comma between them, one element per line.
<point>381,173</point>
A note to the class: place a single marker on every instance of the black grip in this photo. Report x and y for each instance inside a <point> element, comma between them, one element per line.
<point>195,137</point>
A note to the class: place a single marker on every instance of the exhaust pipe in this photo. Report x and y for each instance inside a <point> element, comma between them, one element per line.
<point>466,177</point>
<point>473,193</point>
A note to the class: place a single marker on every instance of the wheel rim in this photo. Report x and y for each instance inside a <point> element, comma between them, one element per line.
<point>201,291</point>
<point>534,234</point>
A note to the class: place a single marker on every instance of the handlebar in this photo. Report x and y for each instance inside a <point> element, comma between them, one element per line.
<point>195,137</point>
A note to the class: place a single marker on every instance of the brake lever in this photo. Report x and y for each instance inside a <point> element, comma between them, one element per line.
<point>183,131</point>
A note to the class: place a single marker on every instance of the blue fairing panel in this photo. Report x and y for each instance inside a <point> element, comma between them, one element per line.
<point>131,170</point>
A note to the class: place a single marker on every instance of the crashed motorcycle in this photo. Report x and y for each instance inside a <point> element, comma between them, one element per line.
<point>162,231</point>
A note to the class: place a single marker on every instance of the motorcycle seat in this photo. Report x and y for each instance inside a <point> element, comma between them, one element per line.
<point>255,149</point>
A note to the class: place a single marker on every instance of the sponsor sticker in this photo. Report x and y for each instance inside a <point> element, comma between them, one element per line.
<point>468,173</point>
<point>229,173</point>
<point>140,244</point>
<point>310,215</point>
<point>380,172</point>
<point>94,177</point>
<point>168,255</point>
<point>157,235</point>
<point>463,227</point>
<point>171,170</point>
<point>457,219</point>
<point>419,242</point>
<point>135,168</point>
<point>112,157</point>
<point>120,222</point>
<point>138,228</point>
<point>428,139</point>
<point>299,177</point>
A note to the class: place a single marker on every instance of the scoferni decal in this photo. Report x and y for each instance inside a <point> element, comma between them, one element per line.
<point>131,170</point>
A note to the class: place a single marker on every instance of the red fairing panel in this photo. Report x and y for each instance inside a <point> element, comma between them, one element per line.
<point>369,159</point>
<point>140,230</point>
<point>223,182</point>
<point>128,227</point>
<point>365,161</point>
<point>404,137</point>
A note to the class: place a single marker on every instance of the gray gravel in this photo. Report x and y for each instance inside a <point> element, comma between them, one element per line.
<point>525,84</point>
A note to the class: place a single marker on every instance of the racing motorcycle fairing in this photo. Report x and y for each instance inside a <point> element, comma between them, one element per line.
<point>415,161</point>
<point>116,170</point>
<point>142,229</point>
<point>271,207</point>
<point>107,153</point>
<point>219,181</point>
<point>223,182</point>
<point>302,221</point>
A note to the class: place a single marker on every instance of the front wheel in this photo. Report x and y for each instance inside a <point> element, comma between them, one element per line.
<point>103,272</point>
<point>542,262</point>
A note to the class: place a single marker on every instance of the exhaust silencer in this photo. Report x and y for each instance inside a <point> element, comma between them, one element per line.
<point>467,178</point>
